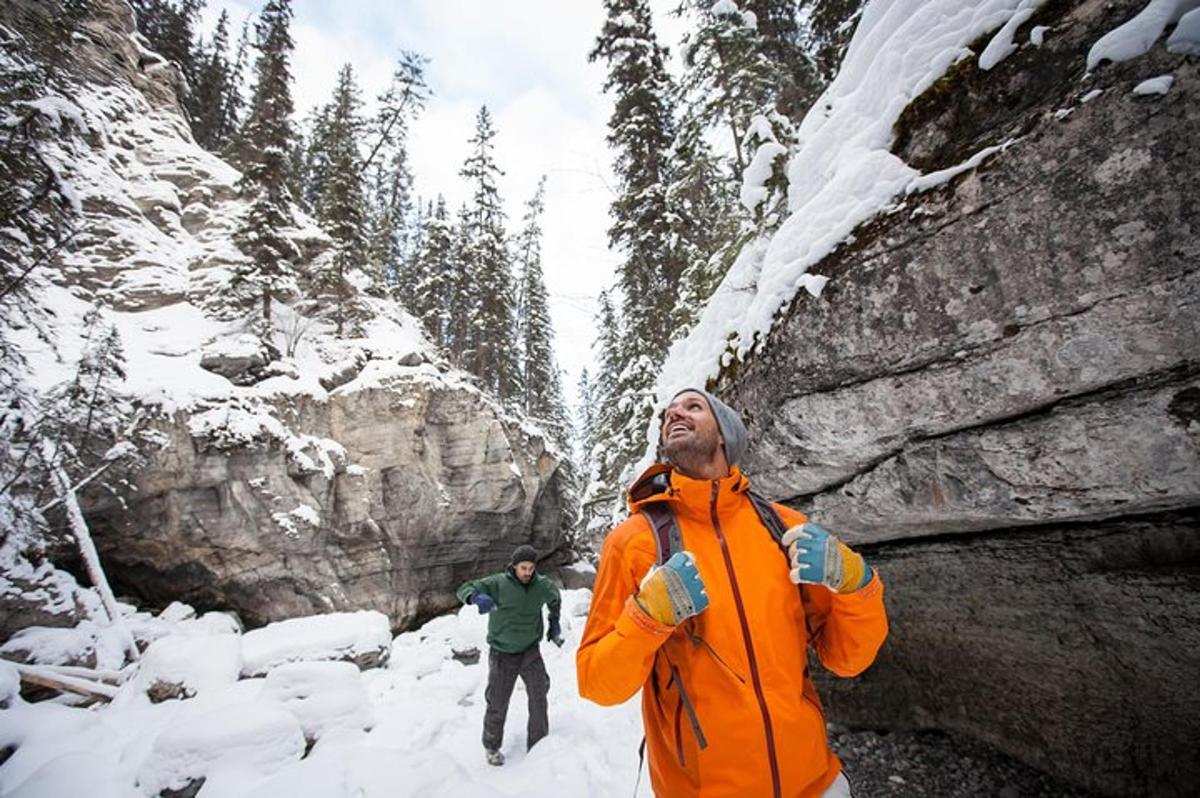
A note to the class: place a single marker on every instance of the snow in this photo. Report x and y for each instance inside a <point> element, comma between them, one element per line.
<point>410,729</point>
<point>196,663</point>
<point>1091,95</point>
<point>1185,39</point>
<point>1139,34</point>
<point>1002,46</point>
<point>1037,36</point>
<point>1159,85</point>
<point>333,636</point>
<point>841,174</point>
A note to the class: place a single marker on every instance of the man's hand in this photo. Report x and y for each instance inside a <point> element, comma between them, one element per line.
<point>673,592</point>
<point>819,558</point>
<point>554,633</point>
<point>484,602</point>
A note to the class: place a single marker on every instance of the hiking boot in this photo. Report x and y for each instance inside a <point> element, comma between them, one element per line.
<point>494,757</point>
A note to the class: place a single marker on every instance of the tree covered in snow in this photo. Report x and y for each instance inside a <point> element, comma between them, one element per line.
<point>489,347</point>
<point>825,29</point>
<point>641,130</point>
<point>540,376</point>
<point>341,205</point>
<point>269,271</point>
<point>432,274</point>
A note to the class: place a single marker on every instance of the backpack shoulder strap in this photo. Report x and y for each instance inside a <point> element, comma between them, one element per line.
<point>769,516</point>
<point>665,527</point>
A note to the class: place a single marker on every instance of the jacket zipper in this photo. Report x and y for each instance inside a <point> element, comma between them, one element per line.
<point>737,598</point>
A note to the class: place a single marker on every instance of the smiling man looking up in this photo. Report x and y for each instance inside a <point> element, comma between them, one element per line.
<point>696,602</point>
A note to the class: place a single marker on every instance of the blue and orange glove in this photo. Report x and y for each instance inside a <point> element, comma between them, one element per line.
<point>484,602</point>
<point>673,592</point>
<point>819,558</point>
<point>554,632</point>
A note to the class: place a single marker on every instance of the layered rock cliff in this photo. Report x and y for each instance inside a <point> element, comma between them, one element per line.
<point>997,397</point>
<point>319,472</point>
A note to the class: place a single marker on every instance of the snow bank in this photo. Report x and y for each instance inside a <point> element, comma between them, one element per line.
<point>322,696</point>
<point>362,636</point>
<point>410,730</point>
<point>231,743</point>
<point>187,665</point>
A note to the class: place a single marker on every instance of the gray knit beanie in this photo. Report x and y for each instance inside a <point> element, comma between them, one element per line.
<point>733,431</point>
<point>524,553</point>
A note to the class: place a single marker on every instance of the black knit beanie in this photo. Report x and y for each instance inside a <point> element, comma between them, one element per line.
<point>524,553</point>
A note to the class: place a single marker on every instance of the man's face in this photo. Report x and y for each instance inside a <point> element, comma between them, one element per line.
<point>689,432</point>
<point>524,571</point>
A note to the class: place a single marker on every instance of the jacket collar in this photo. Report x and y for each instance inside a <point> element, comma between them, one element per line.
<point>661,483</point>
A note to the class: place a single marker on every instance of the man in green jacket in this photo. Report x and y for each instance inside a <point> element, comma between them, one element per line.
<point>514,599</point>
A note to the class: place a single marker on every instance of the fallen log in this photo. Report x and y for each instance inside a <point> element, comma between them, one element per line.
<point>41,677</point>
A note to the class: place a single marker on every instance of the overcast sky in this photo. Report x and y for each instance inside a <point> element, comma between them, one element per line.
<point>527,61</point>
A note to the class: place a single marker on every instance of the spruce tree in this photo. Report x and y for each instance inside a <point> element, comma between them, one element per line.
<point>641,130</point>
<point>210,90</point>
<point>491,352</point>
<point>463,291</point>
<point>269,272</point>
<point>341,206</point>
<point>543,395</point>
<point>433,268</point>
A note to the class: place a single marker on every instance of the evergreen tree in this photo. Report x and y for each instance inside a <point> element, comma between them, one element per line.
<point>491,352</point>
<point>210,90</point>
<point>269,272</point>
<point>390,195</point>
<point>641,130</point>
<point>729,77</point>
<point>433,268</point>
<point>543,396</point>
<point>234,100</point>
<point>606,463</point>
<point>585,414</point>
<point>341,206</point>
<point>463,291</point>
<point>829,25</point>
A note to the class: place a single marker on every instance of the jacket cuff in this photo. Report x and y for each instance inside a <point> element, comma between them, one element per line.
<point>634,622</point>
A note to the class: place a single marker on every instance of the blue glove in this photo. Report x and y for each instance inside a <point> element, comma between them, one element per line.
<point>554,633</point>
<point>673,592</point>
<point>484,602</point>
<point>819,558</point>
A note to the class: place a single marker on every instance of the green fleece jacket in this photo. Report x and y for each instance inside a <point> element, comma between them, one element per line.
<point>516,623</point>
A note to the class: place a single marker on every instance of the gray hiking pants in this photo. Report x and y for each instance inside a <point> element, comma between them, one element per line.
<point>503,670</point>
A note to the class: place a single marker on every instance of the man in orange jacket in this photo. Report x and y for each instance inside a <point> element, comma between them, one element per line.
<point>717,636</point>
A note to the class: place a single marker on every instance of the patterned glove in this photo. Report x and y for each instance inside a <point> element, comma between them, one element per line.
<point>554,632</point>
<point>673,592</point>
<point>819,558</point>
<point>484,602</point>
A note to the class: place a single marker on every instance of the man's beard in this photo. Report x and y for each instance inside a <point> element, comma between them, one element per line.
<point>692,452</point>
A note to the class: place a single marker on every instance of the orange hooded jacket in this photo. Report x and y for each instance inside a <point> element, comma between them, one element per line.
<point>735,675</point>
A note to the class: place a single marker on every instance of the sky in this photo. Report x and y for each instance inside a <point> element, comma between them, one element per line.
<point>527,61</point>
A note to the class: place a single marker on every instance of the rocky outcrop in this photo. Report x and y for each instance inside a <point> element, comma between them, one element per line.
<point>391,497</point>
<point>996,396</point>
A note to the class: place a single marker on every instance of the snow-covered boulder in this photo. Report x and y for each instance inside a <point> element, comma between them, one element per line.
<point>181,666</point>
<point>230,744</point>
<point>322,696</point>
<point>362,637</point>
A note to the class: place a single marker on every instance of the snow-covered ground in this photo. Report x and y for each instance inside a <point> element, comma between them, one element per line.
<point>411,728</point>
